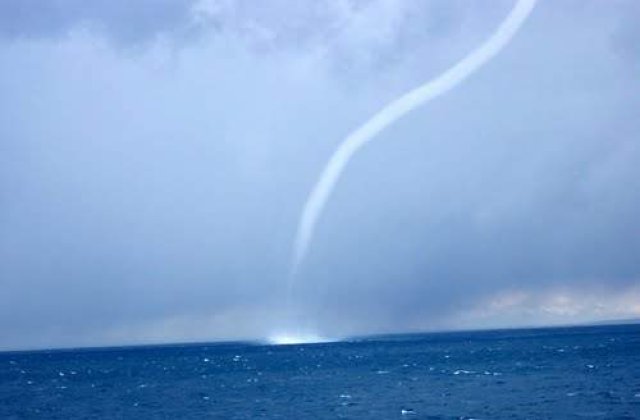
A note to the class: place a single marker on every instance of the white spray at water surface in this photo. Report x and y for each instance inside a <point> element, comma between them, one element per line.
<point>388,115</point>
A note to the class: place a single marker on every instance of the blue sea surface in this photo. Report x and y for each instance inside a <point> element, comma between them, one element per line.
<point>564,373</point>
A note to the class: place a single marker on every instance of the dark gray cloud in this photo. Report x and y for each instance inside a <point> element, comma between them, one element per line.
<point>155,196</point>
<point>124,22</point>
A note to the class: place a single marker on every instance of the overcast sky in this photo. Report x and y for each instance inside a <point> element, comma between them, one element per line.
<point>155,157</point>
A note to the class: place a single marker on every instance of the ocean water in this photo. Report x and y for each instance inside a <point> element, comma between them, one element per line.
<point>564,373</point>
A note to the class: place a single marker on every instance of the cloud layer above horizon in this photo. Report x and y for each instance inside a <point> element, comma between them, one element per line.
<point>154,160</point>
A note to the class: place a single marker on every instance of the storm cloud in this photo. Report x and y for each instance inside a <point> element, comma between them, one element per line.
<point>154,160</point>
